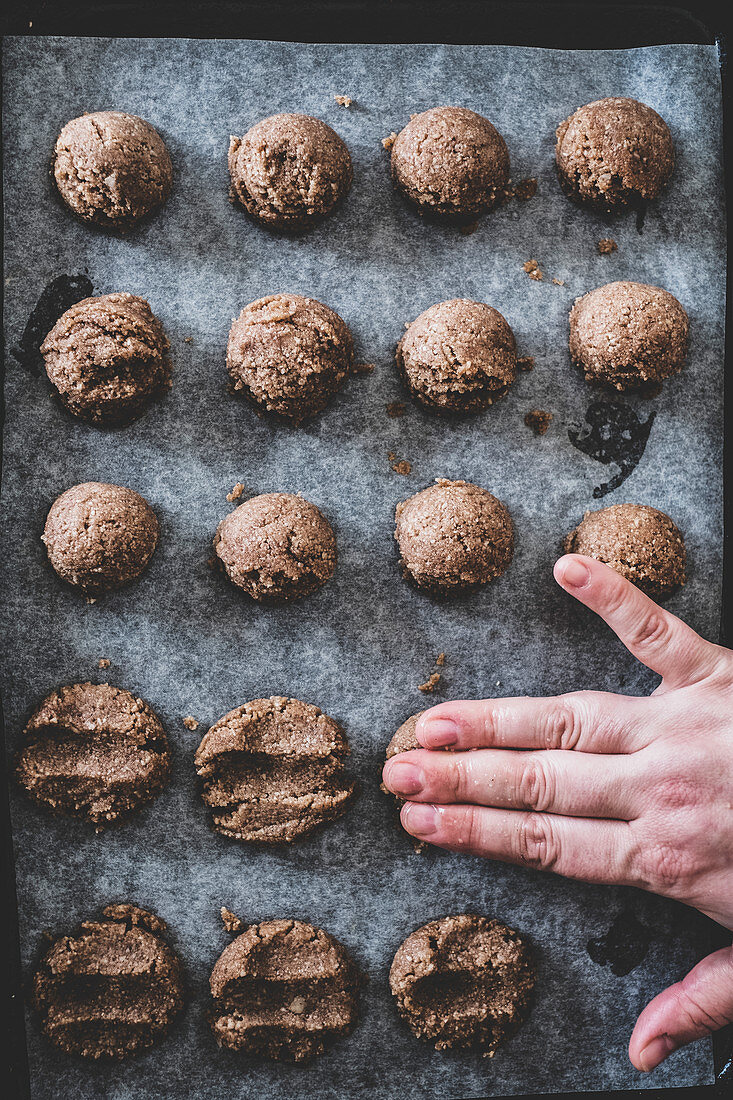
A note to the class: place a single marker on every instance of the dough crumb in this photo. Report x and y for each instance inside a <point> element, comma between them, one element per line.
<point>343,100</point>
<point>430,684</point>
<point>396,408</point>
<point>362,368</point>
<point>388,142</point>
<point>188,339</point>
<point>606,246</point>
<point>236,492</point>
<point>558,282</point>
<point>525,362</point>
<point>190,722</point>
<point>538,420</point>
<point>526,189</point>
<point>230,920</point>
<point>400,466</point>
<point>297,1005</point>
<point>440,660</point>
<point>104,662</point>
<point>533,270</point>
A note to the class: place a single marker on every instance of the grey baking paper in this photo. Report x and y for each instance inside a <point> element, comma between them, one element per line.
<point>191,644</point>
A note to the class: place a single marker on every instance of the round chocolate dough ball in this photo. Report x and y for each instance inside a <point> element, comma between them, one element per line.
<point>614,153</point>
<point>628,335</point>
<point>276,547</point>
<point>112,168</point>
<point>289,171</point>
<point>289,355</point>
<point>108,358</point>
<point>458,355</point>
<point>639,542</point>
<point>451,163</point>
<point>100,536</point>
<point>454,537</point>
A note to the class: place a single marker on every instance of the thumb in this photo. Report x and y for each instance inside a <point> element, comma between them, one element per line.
<point>697,1006</point>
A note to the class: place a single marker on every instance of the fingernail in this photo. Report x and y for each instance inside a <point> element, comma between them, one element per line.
<point>420,819</point>
<point>655,1052</point>
<point>403,778</point>
<point>575,574</point>
<point>437,733</point>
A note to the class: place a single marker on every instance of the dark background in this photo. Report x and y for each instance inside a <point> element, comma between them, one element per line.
<point>548,23</point>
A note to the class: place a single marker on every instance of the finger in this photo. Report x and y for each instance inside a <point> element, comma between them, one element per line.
<point>570,783</point>
<point>697,1006</point>
<point>588,721</point>
<point>658,639</point>
<point>594,851</point>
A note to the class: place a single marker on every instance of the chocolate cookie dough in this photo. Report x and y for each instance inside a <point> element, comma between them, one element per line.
<point>404,740</point>
<point>283,990</point>
<point>463,982</point>
<point>108,358</point>
<point>112,168</point>
<point>614,153</point>
<point>276,546</point>
<point>289,355</point>
<point>454,537</point>
<point>95,752</point>
<point>451,163</point>
<point>110,989</point>
<point>272,771</point>
<point>628,335</point>
<point>639,542</point>
<point>458,356</point>
<point>100,536</point>
<point>289,171</point>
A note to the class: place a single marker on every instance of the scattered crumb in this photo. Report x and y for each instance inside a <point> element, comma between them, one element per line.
<point>538,420</point>
<point>558,282</point>
<point>606,246</point>
<point>190,722</point>
<point>230,920</point>
<point>363,368</point>
<point>430,684</point>
<point>236,492</point>
<point>91,599</point>
<point>525,362</point>
<point>399,465</point>
<point>440,660</point>
<point>498,684</point>
<point>343,100</point>
<point>188,339</point>
<point>396,408</point>
<point>525,189</point>
<point>297,1005</point>
<point>388,142</point>
<point>467,229</point>
<point>104,662</point>
<point>533,270</point>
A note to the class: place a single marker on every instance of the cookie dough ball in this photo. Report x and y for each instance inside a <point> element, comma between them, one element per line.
<point>100,536</point>
<point>639,542</point>
<point>112,168</point>
<point>108,358</point>
<point>289,171</point>
<point>451,163</point>
<point>463,983</point>
<point>272,771</point>
<point>614,153</point>
<point>289,355</point>
<point>404,740</point>
<point>458,355</point>
<point>283,990</point>
<point>95,752</point>
<point>276,547</point>
<point>454,537</point>
<point>628,335</point>
<point>110,989</point>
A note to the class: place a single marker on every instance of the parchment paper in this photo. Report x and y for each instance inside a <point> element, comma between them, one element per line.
<point>189,643</point>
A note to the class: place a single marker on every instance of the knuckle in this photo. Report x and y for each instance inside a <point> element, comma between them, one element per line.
<point>534,788</point>
<point>473,829</point>
<point>563,724</point>
<point>458,776</point>
<point>697,1015</point>
<point>537,843</point>
<point>652,629</point>
<point>664,868</point>
<point>675,792</point>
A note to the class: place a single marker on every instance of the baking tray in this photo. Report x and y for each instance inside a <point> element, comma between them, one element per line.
<point>628,27</point>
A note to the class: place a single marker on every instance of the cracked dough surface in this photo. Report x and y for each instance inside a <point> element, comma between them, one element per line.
<point>108,358</point>
<point>458,355</point>
<point>450,163</point>
<point>100,536</point>
<point>630,336</point>
<point>276,546</point>
<point>289,171</point>
<point>454,536</point>
<point>112,168</point>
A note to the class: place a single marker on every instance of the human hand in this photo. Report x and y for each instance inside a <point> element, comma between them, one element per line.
<point>608,788</point>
